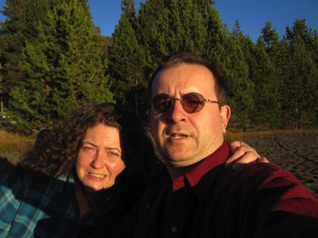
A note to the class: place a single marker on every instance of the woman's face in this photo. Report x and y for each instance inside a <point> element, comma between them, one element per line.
<point>99,159</point>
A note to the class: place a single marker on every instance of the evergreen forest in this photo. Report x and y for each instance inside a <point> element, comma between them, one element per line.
<point>53,59</point>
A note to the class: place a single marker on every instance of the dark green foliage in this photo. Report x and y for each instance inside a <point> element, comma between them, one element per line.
<point>302,81</point>
<point>126,59</point>
<point>22,16</point>
<point>185,29</point>
<point>240,86</point>
<point>267,112</point>
<point>161,28</point>
<point>61,68</point>
<point>54,59</point>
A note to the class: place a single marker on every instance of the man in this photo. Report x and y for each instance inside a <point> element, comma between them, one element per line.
<point>194,195</point>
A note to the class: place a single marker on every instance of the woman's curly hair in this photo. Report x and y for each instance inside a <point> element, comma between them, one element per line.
<point>57,156</point>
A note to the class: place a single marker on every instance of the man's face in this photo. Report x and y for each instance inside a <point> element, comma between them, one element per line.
<point>184,138</point>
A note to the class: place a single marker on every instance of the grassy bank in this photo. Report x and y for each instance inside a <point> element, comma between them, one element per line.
<point>256,134</point>
<point>13,145</point>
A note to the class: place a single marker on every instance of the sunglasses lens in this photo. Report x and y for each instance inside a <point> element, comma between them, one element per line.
<point>162,103</point>
<point>192,102</point>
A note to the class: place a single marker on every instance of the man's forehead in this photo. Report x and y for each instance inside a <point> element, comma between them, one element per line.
<point>194,74</point>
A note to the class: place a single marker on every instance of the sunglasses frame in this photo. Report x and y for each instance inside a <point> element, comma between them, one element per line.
<point>170,100</point>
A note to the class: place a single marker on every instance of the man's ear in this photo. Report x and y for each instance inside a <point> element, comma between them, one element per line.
<point>225,114</point>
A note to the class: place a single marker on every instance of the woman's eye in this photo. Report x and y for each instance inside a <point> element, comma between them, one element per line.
<point>88,149</point>
<point>113,154</point>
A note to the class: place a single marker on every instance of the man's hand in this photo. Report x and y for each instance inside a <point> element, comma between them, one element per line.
<point>243,154</point>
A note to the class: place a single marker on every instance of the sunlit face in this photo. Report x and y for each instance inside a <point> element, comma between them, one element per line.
<point>99,159</point>
<point>185,138</point>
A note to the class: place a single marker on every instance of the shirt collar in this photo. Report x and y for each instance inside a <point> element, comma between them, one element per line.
<point>193,177</point>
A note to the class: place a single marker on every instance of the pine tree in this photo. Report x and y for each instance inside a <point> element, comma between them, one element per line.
<point>21,18</point>
<point>269,36</point>
<point>162,27</point>
<point>263,72</point>
<point>240,85</point>
<point>267,113</point>
<point>151,25</point>
<point>187,30</point>
<point>127,59</point>
<point>217,36</point>
<point>279,56</point>
<point>302,80</point>
<point>63,68</point>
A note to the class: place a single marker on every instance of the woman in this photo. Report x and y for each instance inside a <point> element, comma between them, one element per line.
<point>79,177</point>
<point>92,167</point>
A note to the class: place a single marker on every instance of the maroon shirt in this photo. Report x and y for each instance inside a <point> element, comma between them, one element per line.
<point>257,200</point>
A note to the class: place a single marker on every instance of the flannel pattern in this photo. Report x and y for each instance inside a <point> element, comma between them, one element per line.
<point>37,206</point>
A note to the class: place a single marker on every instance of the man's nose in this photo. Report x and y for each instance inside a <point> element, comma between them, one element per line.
<point>176,112</point>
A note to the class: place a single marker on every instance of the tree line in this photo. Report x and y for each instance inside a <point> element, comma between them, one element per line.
<point>53,60</point>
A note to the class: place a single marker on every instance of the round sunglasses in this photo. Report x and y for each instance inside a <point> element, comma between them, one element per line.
<point>191,102</point>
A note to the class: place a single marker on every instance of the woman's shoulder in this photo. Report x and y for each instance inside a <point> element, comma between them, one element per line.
<point>12,181</point>
<point>21,178</point>
<point>5,166</point>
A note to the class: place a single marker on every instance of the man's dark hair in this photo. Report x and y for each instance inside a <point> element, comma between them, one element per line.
<point>189,58</point>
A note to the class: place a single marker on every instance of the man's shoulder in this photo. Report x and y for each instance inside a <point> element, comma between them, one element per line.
<point>262,170</point>
<point>268,177</point>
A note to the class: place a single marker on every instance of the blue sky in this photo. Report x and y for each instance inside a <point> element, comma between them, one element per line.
<point>252,14</point>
